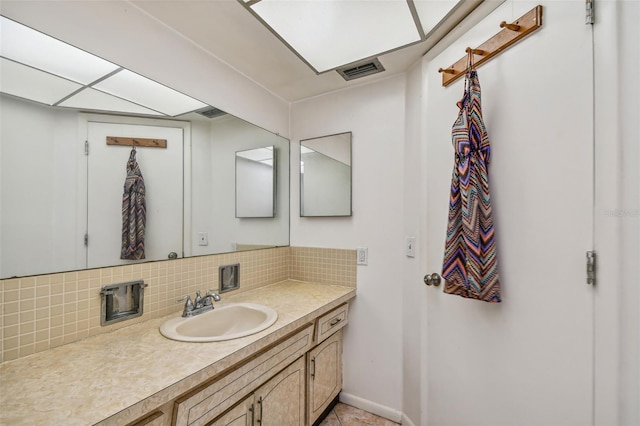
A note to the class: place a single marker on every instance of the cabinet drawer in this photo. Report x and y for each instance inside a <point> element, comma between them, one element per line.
<point>211,400</point>
<point>331,322</point>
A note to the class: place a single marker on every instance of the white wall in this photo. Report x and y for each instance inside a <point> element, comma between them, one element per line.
<point>38,172</point>
<point>121,33</point>
<point>213,181</point>
<point>228,135</point>
<point>373,341</point>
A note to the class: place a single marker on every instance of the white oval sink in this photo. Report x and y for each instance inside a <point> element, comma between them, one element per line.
<point>225,322</point>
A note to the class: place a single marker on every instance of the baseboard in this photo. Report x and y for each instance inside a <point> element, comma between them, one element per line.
<point>372,407</point>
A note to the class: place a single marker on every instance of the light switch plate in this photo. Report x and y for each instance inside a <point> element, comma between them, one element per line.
<point>410,248</point>
<point>362,256</point>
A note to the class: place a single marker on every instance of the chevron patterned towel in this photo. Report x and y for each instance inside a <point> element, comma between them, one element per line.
<point>134,213</point>
<point>470,264</point>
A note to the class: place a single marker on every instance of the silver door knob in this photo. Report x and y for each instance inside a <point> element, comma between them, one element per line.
<point>432,279</point>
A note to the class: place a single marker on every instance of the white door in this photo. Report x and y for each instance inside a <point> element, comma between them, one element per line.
<point>529,359</point>
<point>162,171</point>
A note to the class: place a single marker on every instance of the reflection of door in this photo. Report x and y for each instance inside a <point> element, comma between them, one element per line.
<point>162,172</point>
<point>528,360</point>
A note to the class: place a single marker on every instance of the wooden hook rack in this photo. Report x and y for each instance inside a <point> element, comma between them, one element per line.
<point>510,35</point>
<point>149,143</point>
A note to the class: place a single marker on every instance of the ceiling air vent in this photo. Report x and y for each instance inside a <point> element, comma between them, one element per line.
<point>362,69</point>
<point>211,112</point>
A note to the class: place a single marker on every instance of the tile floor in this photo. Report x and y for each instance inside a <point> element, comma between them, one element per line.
<point>346,415</point>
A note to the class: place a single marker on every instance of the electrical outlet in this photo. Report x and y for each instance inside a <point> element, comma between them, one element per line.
<point>362,256</point>
<point>410,248</point>
<point>203,239</point>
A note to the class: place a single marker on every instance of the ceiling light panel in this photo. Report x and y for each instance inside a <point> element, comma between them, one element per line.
<point>92,99</point>
<point>25,45</point>
<point>140,90</point>
<point>29,83</point>
<point>262,155</point>
<point>431,12</point>
<point>331,33</point>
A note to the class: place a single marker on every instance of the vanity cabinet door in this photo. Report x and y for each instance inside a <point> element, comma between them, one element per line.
<point>324,378</point>
<point>240,415</point>
<point>280,401</point>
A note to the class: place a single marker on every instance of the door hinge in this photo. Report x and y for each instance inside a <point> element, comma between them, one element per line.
<point>591,267</point>
<point>86,240</point>
<point>588,12</point>
<point>86,147</point>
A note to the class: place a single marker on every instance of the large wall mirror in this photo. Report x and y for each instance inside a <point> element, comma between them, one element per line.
<point>61,182</point>
<point>325,176</point>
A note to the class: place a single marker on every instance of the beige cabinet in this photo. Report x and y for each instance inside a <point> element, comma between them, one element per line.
<point>240,415</point>
<point>280,401</point>
<point>289,383</point>
<point>210,400</point>
<point>324,375</point>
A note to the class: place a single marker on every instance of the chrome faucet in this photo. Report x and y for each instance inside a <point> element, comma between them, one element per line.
<point>199,305</point>
<point>207,299</point>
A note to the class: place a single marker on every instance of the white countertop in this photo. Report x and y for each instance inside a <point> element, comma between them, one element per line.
<point>116,377</point>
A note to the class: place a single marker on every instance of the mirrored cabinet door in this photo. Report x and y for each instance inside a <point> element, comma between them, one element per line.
<point>325,176</point>
<point>256,182</point>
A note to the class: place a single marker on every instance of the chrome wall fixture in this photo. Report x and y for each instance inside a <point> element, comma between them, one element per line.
<point>121,301</point>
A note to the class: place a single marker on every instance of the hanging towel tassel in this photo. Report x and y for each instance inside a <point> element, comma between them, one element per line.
<point>470,261</point>
<point>134,213</point>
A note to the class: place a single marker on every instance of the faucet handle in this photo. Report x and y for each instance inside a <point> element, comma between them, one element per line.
<point>189,302</point>
<point>188,306</point>
<point>198,300</point>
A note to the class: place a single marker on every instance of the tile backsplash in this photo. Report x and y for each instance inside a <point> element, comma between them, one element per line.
<point>45,311</point>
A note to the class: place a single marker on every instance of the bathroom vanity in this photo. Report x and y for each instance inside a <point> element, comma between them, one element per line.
<point>286,375</point>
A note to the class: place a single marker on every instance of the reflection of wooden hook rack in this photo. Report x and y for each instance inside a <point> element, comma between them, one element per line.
<point>510,35</point>
<point>149,143</point>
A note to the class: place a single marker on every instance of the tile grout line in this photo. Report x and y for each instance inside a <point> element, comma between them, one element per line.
<point>337,416</point>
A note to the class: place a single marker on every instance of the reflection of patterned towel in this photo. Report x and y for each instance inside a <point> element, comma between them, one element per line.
<point>133,212</point>
<point>470,263</point>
